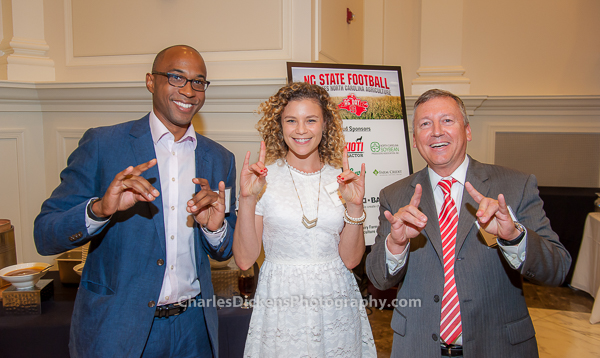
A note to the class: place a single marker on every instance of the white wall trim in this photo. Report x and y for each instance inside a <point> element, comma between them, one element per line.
<point>18,134</point>
<point>233,136</point>
<point>63,134</point>
<point>541,127</point>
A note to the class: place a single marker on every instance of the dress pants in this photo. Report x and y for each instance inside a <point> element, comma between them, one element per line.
<point>180,336</point>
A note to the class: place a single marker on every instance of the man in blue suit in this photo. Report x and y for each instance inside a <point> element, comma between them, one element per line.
<point>142,194</point>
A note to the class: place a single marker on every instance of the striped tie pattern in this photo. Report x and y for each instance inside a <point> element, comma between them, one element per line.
<point>450,326</point>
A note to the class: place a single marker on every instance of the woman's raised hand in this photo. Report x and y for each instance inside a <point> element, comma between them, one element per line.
<point>253,177</point>
<point>352,186</point>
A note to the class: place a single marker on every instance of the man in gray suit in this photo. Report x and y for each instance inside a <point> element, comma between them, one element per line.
<point>429,244</point>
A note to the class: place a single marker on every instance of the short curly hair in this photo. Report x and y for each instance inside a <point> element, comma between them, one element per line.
<point>332,143</point>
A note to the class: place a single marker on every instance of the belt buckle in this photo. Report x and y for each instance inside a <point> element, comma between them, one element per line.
<point>447,350</point>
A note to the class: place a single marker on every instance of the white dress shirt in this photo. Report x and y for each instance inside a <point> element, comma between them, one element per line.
<point>177,167</point>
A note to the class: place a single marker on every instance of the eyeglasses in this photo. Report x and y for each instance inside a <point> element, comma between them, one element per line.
<point>176,80</point>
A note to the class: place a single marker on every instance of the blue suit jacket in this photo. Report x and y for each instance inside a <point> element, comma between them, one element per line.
<point>123,273</point>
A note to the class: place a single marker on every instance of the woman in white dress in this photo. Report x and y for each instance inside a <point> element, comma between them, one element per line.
<point>307,302</point>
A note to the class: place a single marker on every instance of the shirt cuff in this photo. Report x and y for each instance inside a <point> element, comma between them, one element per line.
<point>395,262</point>
<point>515,255</point>
<point>215,237</point>
<point>92,225</point>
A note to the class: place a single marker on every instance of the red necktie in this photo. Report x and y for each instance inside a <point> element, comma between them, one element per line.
<point>450,327</point>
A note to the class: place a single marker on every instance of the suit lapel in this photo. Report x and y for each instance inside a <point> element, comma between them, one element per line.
<point>479,179</point>
<point>143,150</point>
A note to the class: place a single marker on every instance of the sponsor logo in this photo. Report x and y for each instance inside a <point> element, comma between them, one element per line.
<point>383,173</point>
<point>355,149</point>
<point>378,148</point>
<point>354,105</point>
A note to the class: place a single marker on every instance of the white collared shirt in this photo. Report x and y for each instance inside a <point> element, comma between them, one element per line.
<point>177,167</point>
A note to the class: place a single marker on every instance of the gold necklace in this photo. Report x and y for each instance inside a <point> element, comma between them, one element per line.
<point>309,224</point>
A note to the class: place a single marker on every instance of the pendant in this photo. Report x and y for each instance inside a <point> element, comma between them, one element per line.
<point>309,224</point>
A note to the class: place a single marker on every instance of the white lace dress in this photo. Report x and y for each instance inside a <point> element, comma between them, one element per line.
<point>307,303</point>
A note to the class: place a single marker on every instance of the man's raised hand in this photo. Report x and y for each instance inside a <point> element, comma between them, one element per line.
<point>406,223</point>
<point>126,189</point>
<point>493,215</point>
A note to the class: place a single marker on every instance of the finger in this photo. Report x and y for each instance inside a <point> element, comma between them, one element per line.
<point>502,206</point>
<point>416,198</point>
<point>204,185</point>
<point>202,199</point>
<point>140,186</point>
<point>222,192</point>
<point>124,174</point>
<point>246,161</point>
<point>391,218</point>
<point>139,169</point>
<point>258,169</point>
<point>409,212</point>
<point>345,165</point>
<point>474,193</point>
<point>347,176</point>
<point>263,152</point>
<point>362,171</point>
<point>487,209</point>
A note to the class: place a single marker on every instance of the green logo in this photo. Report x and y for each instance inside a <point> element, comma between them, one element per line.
<point>375,147</point>
<point>375,172</point>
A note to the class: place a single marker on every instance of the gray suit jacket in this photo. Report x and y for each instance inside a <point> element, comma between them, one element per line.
<point>495,319</point>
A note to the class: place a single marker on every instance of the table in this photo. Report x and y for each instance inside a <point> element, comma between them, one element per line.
<point>586,276</point>
<point>51,328</point>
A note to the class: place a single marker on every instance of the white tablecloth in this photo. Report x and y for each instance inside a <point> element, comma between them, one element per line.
<point>586,276</point>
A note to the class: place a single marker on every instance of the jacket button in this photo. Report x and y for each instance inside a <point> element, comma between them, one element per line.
<point>160,262</point>
<point>434,337</point>
<point>72,238</point>
<point>221,250</point>
<point>151,304</point>
<point>436,298</point>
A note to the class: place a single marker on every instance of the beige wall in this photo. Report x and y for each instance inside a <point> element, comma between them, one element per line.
<point>508,47</point>
<point>532,47</point>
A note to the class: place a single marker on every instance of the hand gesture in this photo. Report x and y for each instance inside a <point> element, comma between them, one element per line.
<point>125,190</point>
<point>407,223</point>
<point>253,177</point>
<point>207,206</point>
<point>493,215</point>
<point>352,186</point>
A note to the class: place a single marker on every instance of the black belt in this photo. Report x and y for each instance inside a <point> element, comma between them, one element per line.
<point>451,350</point>
<point>173,309</point>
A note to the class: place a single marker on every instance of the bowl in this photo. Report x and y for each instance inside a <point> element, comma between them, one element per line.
<point>79,268</point>
<point>24,282</point>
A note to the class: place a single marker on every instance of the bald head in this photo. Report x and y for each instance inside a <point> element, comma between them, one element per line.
<point>175,48</point>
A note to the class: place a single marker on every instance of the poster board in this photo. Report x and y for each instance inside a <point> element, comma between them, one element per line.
<point>371,104</point>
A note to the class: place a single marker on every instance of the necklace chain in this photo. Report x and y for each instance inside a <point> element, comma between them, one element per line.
<point>309,224</point>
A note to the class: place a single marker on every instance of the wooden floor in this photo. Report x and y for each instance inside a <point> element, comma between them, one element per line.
<point>537,297</point>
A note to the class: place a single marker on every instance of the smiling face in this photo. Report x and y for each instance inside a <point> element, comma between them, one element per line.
<point>175,106</point>
<point>302,125</point>
<point>440,134</point>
